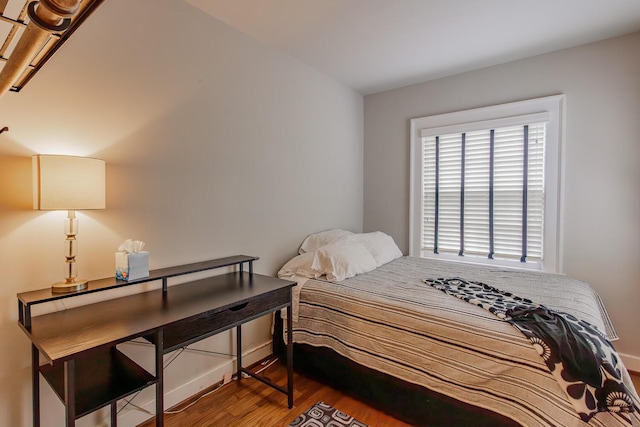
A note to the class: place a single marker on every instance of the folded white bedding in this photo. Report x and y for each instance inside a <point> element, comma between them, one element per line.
<point>337,255</point>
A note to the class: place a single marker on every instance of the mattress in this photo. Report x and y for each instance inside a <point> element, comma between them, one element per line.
<point>390,321</point>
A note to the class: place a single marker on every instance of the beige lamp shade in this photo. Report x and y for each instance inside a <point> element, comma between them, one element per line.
<point>68,183</point>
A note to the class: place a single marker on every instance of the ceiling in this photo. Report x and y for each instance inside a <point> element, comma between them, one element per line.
<point>375,45</point>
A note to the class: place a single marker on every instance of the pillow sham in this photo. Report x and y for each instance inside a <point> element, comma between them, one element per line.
<point>317,240</point>
<point>382,246</point>
<point>300,265</point>
<point>341,260</point>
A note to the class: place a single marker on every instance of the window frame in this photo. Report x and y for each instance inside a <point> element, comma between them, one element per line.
<point>462,121</point>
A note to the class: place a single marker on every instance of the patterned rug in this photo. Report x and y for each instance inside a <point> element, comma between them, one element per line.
<point>323,415</point>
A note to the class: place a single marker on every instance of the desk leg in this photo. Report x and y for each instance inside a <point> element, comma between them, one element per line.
<point>35,384</point>
<point>239,352</point>
<point>114,414</point>
<point>290,356</point>
<point>70,391</point>
<point>160,376</point>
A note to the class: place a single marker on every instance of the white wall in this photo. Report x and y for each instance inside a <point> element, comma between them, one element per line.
<point>602,199</point>
<point>215,145</point>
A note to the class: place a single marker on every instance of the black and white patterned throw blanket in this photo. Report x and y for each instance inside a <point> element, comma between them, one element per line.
<point>580,357</point>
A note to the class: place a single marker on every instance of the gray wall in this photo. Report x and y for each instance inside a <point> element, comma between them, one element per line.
<point>215,145</point>
<point>601,202</point>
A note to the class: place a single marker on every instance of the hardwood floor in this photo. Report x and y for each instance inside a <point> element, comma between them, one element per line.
<point>251,403</point>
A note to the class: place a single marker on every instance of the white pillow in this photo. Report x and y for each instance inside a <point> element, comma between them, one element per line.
<point>299,265</point>
<point>343,259</point>
<point>381,245</point>
<point>317,240</point>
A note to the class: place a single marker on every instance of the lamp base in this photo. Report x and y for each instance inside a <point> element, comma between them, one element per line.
<point>65,287</point>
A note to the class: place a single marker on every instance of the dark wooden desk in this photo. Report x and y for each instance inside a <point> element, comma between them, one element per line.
<point>88,372</point>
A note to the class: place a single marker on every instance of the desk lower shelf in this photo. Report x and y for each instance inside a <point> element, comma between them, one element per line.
<point>102,378</point>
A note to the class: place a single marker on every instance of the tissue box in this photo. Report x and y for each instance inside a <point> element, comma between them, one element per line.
<point>132,266</point>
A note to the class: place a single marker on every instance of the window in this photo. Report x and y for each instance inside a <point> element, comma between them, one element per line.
<point>485,185</point>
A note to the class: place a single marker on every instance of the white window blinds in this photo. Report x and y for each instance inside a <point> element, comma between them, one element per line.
<point>483,188</point>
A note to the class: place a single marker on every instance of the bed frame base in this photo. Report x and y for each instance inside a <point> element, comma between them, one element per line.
<point>410,403</point>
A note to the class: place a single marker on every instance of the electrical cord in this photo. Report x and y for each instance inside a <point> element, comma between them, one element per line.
<point>264,366</point>
<point>174,356</point>
<point>218,387</point>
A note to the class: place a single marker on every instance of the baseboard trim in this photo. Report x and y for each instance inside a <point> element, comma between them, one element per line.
<point>133,417</point>
<point>632,363</point>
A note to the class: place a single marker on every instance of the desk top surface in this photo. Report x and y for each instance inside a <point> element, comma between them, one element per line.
<point>64,334</point>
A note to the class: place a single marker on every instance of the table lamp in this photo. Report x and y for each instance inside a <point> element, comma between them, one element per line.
<point>68,183</point>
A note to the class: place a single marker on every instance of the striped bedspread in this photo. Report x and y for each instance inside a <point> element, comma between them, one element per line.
<point>390,321</point>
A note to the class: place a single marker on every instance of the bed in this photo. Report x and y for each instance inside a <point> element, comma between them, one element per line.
<point>380,333</point>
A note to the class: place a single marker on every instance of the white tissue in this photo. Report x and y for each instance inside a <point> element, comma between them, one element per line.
<point>131,246</point>
<point>131,261</point>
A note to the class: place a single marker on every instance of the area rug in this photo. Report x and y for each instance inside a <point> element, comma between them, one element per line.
<point>323,415</point>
